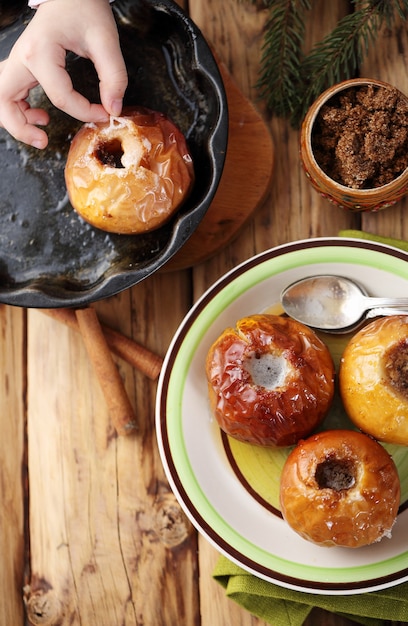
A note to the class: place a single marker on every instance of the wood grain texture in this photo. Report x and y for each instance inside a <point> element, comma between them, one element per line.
<point>13,467</point>
<point>292,210</point>
<point>106,532</point>
<point>388,61</point>
<point>91,534</point>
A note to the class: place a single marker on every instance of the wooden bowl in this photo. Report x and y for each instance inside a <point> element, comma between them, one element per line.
<point>368,198</point>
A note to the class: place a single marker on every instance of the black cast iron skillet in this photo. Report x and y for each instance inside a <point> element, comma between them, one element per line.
<point>49,257</point>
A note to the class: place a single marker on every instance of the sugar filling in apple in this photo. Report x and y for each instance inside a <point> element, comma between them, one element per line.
<point>267,370</point>
<point>396,367</point>
<point>336,474</point>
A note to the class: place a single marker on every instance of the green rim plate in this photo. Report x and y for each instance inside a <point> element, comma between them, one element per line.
<point>222,485</point>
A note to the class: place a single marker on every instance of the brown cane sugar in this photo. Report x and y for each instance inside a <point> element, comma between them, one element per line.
<point>360,137</point>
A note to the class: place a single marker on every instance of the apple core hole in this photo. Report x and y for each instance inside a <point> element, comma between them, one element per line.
<point>336,474</point>
<point>110,153</point>
<point>267,370</point>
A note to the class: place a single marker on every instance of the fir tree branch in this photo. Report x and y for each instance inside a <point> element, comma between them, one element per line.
<point>288,81</point>
<point>388,9</point>
<point>338,56</point>
<point>282,54</point>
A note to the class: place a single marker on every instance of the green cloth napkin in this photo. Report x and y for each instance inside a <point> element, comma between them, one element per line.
<point>284,607</point>
<point>360,234</point>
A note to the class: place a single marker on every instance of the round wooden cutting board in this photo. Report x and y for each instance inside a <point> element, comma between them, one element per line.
<point>244,184</point>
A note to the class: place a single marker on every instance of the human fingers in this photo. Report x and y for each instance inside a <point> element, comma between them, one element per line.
<point>57,84</point>
<point>16,115</point>
<point>107,58</point>
<point>112,88</point>
<point>34,115</point>
<point>38,117</point>
<point>21,123</point>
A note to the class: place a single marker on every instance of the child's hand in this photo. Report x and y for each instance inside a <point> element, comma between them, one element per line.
<point>85,27</point>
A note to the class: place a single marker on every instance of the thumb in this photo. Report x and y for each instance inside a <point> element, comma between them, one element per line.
<point>112,86</point>
<point>103,47</point>
<point>113,78</point>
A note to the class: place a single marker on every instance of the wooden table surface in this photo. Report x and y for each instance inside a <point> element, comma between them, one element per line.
<point>91,534</point>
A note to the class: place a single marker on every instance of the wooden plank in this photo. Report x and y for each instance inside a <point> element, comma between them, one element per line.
<point>13,478</point>
<point>109,542</point>
<point>385,61</point>
<point>106,532</point>
<point>291,211</point>
<point>72,464</point>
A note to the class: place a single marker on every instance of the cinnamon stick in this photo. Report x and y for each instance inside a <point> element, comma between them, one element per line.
<point>134,353</point>
<point>126,348</point>
<point>120,408</point>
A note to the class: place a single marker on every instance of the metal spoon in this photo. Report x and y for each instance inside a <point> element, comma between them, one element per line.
<point>335,303</point>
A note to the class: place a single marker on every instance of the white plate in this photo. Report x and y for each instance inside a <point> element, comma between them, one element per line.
<point>229,490</point>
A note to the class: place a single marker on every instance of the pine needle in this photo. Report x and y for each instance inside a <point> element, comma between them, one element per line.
<point>337,57</point>
<point>288,80</point>
<point>281,55</point>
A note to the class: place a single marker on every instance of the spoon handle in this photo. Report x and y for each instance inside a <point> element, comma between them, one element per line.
<point>377,312</point>
<point>385,302</point>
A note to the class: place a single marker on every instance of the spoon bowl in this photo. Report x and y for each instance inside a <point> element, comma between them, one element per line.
<point>335,303</point>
